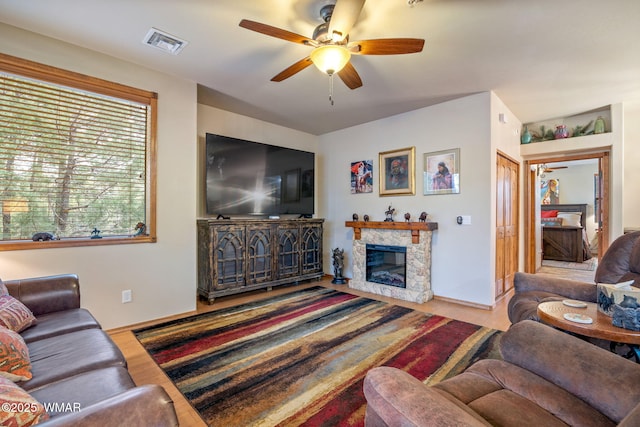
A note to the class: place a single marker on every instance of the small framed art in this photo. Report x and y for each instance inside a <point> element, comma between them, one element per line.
<point>362,177</point>
<point>397,172</point>
<point>442,172</point>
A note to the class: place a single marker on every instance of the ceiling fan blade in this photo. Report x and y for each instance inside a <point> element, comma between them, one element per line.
<point>275,32</point>
<point>350,76</point>
<point>345,14</point>
<point>295,68</point>
<point>386,46</point>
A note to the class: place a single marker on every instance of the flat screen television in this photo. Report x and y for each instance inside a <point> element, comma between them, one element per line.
<point>251,178</point>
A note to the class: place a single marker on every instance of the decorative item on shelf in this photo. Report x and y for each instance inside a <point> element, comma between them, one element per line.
<point>95,234</point>
<point>543,135</point>
<point>354,216</point>
<point>423,217</point>
<point>561,132</point>
<point>407,217</point>
<point>582,130</point>
<point>389,214</point>
<point>525,138</point>
<point>366,218</point>
<point>43,237</point>
<point>599,125</point>
<point>141,229</point>
<point>338,266</point>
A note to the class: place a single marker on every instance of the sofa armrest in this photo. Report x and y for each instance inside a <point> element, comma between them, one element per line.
<point>47,294</point>
<point>573,289</point>
<point>147,405</point>
<point>395,398</point>
<point>603,379</point>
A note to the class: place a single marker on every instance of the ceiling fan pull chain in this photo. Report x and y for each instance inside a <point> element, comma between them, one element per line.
<point>331,89</point>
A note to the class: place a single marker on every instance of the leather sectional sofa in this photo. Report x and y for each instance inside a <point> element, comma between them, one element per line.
<point>79,374</point>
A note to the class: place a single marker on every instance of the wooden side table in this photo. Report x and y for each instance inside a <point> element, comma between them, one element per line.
<point>552,313</point>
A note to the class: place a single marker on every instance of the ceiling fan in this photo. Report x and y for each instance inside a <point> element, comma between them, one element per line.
<point>332,49</point>
<point>546,169</point>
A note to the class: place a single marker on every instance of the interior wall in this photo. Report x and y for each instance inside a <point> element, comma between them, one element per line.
<point>162,275</point>
<point>631,193</point>
<point>459,270</point>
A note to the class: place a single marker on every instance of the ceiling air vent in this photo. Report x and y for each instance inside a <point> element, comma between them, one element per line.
<point>164,41</point>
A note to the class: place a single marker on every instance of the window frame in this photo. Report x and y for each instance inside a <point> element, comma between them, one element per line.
<point>34,70</point>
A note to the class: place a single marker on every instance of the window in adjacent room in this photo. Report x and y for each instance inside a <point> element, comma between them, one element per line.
<point>77,158</point>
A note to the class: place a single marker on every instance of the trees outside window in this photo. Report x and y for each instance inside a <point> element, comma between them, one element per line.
<point>76,158</point>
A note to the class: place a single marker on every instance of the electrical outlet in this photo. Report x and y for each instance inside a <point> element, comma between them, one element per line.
<point>126,296</point>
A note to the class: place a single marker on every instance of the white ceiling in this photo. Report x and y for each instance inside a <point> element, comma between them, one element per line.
<point>543,58</point>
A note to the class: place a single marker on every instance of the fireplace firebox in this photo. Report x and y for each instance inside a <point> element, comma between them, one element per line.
<point>387,265</point>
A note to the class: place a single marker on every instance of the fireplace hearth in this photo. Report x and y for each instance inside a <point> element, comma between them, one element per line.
<point>415,240</point>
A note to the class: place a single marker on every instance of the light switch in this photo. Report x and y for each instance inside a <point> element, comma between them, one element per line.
<point>466,219</point>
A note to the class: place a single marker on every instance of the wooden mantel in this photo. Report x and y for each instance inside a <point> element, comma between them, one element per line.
<point>414,227</point>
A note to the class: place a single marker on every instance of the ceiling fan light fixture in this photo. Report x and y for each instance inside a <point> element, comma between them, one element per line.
<point>330,59</point>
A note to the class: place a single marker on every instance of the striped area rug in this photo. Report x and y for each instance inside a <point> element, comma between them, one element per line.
<point>300,358</point>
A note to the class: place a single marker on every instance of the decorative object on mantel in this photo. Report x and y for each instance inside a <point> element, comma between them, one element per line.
<point>95,234</point>
<point>354,216</point>
<point>561,132</point>
<point>407,217</point>
<point>389,214</point>
<point>423,217</point>
<point>338,266</point>
<point>366,218</point>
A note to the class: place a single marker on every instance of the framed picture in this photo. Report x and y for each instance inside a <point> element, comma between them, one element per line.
<point>398,172</point>
<point>291,186</point>
<point>549,192</point>
<point>442,172</point>
<point>362,177</point>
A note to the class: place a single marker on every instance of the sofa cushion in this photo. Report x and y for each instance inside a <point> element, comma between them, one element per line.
<point>14,314</point>
<point>80,391</point>
<point>66,355</point>
<point>60,322</point>
<point>506,394</point>
<point>14,356</point>
<point>18,407</point>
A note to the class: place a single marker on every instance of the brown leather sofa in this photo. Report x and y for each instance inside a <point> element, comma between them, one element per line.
<point>547,378</point>
<point>620,263</point>
<point>77,368</point>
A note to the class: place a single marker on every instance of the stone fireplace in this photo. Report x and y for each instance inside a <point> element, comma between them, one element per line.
<point>408,240</point>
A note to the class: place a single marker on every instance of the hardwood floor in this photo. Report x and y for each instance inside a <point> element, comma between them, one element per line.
<point>145,371</point>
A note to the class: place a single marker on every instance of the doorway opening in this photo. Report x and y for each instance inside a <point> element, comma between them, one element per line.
<point>572,183</point>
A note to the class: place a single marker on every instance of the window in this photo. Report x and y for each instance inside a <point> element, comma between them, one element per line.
<point>77,157</point>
